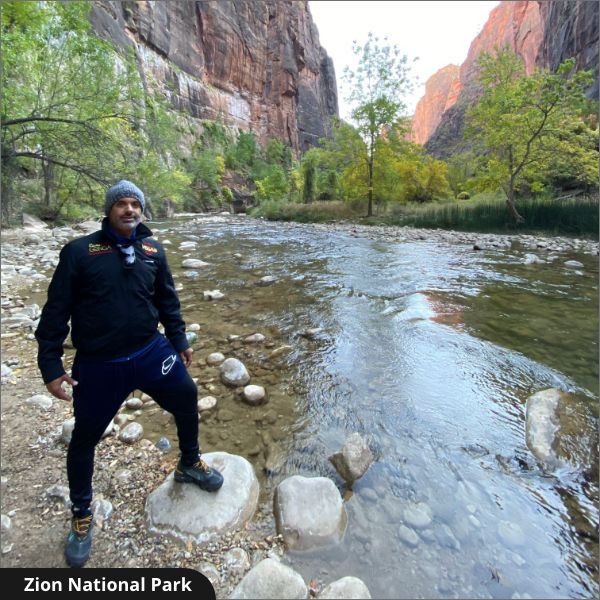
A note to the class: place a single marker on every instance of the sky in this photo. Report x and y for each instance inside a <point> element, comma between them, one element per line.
<point>437,32</point>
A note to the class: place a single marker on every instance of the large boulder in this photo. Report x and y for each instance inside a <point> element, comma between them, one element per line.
<point>185,512</point>
<point>354,458</point>
<point>270,579</point>
<point>346,587</point>
<point>309,512</point>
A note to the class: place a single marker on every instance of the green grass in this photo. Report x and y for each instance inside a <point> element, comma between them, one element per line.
<point>575,216</point>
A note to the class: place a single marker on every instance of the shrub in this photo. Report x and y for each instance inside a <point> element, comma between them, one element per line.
<point>463,196</point>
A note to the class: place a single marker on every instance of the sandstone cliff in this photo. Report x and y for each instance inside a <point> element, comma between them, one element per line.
<point>543,33</point>
<point>257,65</point>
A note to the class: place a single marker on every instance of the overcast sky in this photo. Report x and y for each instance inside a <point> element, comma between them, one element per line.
<point>438,33</point>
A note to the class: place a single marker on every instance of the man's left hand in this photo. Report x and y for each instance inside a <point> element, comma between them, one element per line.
<point>186,357</point>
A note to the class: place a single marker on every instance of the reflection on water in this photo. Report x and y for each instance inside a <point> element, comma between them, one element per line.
<point>430,350</point>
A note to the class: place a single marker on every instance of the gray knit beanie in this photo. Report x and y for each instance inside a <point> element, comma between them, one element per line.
<point>123,189</point>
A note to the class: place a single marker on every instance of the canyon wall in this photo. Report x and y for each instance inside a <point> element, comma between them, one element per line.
<point>255,65</point>
<point>543,33</point>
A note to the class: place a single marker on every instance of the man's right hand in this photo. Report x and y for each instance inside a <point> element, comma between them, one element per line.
<point>56,389</point>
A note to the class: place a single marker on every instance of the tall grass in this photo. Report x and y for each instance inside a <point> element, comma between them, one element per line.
<point>574,216</point>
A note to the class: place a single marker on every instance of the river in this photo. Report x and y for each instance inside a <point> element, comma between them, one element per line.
<point>430,350</point>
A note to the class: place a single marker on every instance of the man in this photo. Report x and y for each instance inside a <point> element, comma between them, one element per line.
<point>115,285</point>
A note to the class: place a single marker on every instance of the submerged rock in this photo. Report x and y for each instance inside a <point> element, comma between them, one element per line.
<point>309,512</point>
<point>346,587</point>
<point>354,458</point>
<point>234,373</point>
<point>542,425</point>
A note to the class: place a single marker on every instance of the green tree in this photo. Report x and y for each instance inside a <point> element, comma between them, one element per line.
<point>310,162</point>
<point>522,124</point>
<point>274,186</point>
<point>377,87</point>
<point>67,103</point>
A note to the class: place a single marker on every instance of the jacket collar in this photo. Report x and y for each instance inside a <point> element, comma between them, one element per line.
<point>141,231</point>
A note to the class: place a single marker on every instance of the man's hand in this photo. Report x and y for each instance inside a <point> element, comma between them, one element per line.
<point>186,357</point>
<point>55,387</point>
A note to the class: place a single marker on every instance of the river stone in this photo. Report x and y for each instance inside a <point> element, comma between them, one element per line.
<point>254,394</point>
<point>187,513</point>
<point>191,274</point>
<point>40,401</point>
<point>275,459</point>
<point>354,458</point>
<point>194,263</point>
<point>121,420</point>
<point>574,264</point>
<point>67,430</point>
<point>511,533</point>
<point>346,587</point>
<point>211,572</point>
<point>312,332</point>
<point>32,222</point>
<point>163,444</point>
<point>215,358</point>
<point>234,373</point>
<point>134,403</point>
<point>6,524</point>
<point>207,403</point>
<point>213,295</point>
<point>255,338</point>
<point>542,424</point>
<point>6,371</point>
<point>267,280</point>
<point>532,259</point>
<point>131,433</point>
<point>309,512</point>
<point>237,562</point>
<point>193,327</point>
<point>101,509</point>
<point>59,492</point>
<point>271,579</point>
<point>408,536</point>
<point>191,337</point>
<point>279,351</point>
<point>418,515</point>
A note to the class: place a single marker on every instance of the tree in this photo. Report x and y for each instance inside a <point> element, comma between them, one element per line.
<point>67,101</point>
<point>377,87</point>
<point>522,124</point>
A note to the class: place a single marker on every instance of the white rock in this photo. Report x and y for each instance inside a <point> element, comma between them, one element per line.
<point>6,524</point>
<point>59,492</point>
<point>187,513</point>
<point>346,587</point>
<point>131,433</point>
<point>6,371</point>
<point>193,327</point>
<point>187,245</point>
<point>354,459</point>
<point>207,403</point>
<point>271,579</point>
<point>575,264</point>
<point>309,512</point>
<point>542,424</point>
<point>234,373</point>
<point>213,295</point>
<point>67,430</point>
<point>215,358</point>
<point>194,263</point>
<point>511,534</point>
<point>255,338</point>
<point>279,351</point>
<point>408,535</point>
<point>267,280</point>
<point>418,515</point>
<point>312,332</point>
<point>134,403</point>
<point>254,394</point>
<point>102,509</point>
<point>40,400</point>
<point>532,259</point>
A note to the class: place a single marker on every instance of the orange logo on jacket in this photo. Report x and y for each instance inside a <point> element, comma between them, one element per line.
<point>94,249</point>
<point>149,249</point>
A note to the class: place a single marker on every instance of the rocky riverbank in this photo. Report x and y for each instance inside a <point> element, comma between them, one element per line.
<point>34,499</point>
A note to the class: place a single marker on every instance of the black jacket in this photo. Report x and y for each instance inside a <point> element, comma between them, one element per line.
<point>114,310</point>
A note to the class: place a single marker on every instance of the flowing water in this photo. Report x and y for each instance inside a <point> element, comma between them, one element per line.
<point>429,350</point>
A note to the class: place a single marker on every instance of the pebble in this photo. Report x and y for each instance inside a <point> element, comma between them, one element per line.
<point>254,394</point>
<point>255,338</point>
<point>408,536</point>
<point>215,358</point>
<point>131,433</point>
<point>207,403</point>
<point>40,401</point>
<point>134,403</point>
<point>163,444</point>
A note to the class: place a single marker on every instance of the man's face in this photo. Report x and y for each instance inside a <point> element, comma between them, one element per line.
<point>125,215</point>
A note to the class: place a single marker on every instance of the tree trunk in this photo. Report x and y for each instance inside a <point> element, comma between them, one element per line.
<point>510,203</point>
<point>370,207</point>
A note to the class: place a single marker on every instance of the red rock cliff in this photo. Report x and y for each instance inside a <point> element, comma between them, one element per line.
<point>517,25</point>
<point>255,64</point>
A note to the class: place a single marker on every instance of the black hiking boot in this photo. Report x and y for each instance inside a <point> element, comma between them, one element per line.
<point>79,541</point>
<point>201,474</point>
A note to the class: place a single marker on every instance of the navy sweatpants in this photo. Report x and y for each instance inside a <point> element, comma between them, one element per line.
<point>103,387</point>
